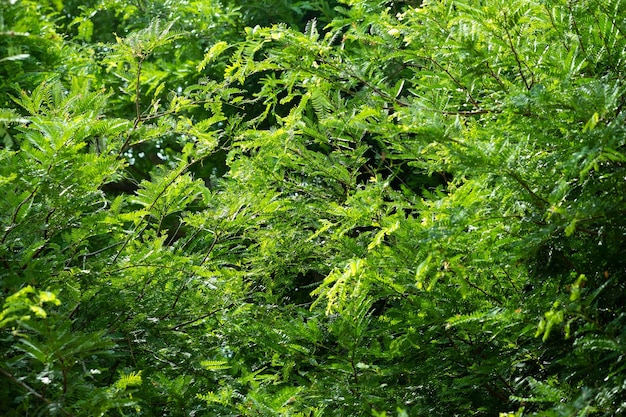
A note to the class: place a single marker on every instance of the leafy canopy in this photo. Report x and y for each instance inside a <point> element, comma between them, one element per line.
<point>312,208</point>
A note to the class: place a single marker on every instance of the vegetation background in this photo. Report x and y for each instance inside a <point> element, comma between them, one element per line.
<point>312,208</point>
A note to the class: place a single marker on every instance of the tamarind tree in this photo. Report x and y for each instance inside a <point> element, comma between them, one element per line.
<point>312,208</point>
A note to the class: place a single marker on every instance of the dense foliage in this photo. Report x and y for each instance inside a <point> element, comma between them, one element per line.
<point>312,208</point>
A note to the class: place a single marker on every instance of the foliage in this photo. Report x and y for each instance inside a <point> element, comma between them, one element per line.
<point>312,208</point>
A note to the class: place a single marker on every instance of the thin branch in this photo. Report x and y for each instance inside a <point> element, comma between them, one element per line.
<point>130,348</point>
<point>554,26</point>
<point>496,393</point>
<point>456,81</point>
<point>184,286</point>
<point>144,265</point>
<point>137,89</point>
<point>32,391</point>
<point>127,241</point>
<point>485,293</point>
<point>106,248</point>
<point>16,212</point>
<point>134,232</point>
<point>360,79</point>
<point>539,201</point>
<point>508,277</point>
<point>575,26</point>
<point>496,77</point>
<point>138,118</point>
<point>47,222</point>
<point>517,58</point>
<point>208,253</point>
<point>466,113</point>
<point>197,319</point>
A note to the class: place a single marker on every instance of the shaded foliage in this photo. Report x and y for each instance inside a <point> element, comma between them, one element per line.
<point>312,208</point>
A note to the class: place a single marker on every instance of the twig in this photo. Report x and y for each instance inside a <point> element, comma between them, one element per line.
<point>456,81</point>
<point>517,58</point>
<point>194,320</point>
<point>539,201</point>
<point>165,187</point>
<point>31,390</point>
<point>476,287</point>
<point>16,212</point>
<point>138,118</point>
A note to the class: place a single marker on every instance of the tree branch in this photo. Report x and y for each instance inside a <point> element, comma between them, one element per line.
<point>31,390</point>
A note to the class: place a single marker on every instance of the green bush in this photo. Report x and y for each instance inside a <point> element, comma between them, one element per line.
<point>312,208</point>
